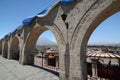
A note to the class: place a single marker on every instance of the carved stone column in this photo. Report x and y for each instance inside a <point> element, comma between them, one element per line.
<point>94,69</point>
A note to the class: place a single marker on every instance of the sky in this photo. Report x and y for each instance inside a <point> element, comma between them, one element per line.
<point>13,12</point>
<point>108,32</point>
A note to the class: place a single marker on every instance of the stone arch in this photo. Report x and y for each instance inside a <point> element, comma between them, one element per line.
<point>0,48</point>
<point>30,44</point>
<point>31,41</point>
<point>96,14</point>
<point>5,49</point>
<point>14,49</point>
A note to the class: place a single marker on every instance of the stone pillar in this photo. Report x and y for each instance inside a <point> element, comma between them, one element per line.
<point>72,66</point>
<point>21,43</point>
<point>9,56</point>
<point>3,48</point>
<point>26,54</point>
<point>94,69</point>
<point>27,58</point>
<point>57,62</point>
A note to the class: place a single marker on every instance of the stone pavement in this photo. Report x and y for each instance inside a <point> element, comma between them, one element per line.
<point>12,70</point>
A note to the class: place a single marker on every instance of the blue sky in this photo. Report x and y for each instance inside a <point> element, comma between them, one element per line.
<point>108,31</point>
<point>13,12</point>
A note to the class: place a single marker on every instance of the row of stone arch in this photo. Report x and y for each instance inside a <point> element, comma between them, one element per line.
<point>13,51</point>
<point>71,32</point>
<point>12,46</point>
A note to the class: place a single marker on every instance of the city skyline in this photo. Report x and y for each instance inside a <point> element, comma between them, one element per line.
<point>14,12</point>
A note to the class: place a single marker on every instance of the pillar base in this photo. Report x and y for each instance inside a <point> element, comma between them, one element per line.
<point>26,62</point>
<point>64,76</point>
<point>26,59</point>
<point>3,55</point>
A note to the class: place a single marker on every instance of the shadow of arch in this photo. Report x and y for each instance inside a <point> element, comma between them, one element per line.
<point>14,49</point>
<point>5,49</point>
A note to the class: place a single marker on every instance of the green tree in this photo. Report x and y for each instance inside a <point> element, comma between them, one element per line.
<point>36,51</point>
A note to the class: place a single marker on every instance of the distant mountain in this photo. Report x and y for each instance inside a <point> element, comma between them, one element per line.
<point>45,42</point>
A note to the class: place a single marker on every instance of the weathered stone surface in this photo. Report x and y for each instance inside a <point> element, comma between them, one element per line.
<point>71,33</point>
<point>11,70</point>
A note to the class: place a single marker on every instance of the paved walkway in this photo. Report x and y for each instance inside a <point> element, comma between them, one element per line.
<point>12,70</point>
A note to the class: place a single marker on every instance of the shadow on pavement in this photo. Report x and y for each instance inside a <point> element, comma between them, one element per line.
<point>51,71</point>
